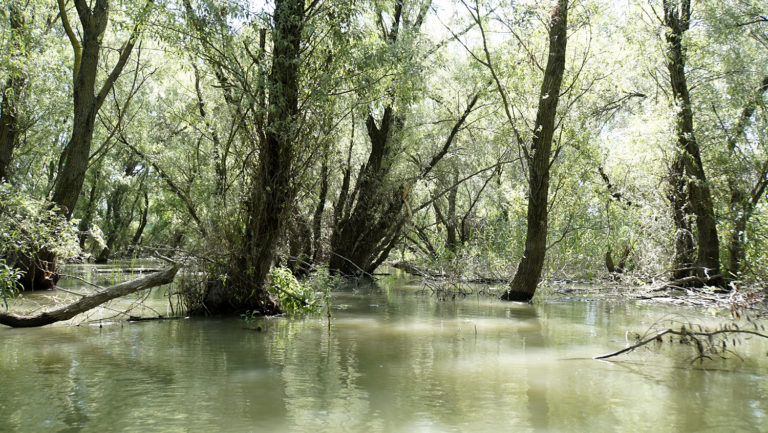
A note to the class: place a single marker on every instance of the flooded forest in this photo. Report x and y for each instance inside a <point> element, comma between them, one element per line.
<point>383,215</point>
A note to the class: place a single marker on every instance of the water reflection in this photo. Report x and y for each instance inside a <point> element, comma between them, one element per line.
<point>393,360</point>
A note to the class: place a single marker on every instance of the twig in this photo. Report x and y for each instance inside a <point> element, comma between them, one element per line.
<point>683,333</point>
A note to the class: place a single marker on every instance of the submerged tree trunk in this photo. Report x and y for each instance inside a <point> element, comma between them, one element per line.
<point>690,193</point>
<point>373,210</point>
<point>87,220</point>
<point>317,218</point>
<point>272,191</point>
<point>368,230</point>
<point>526,279</point>
<point>369,220</point>
<point>121,207</point>
<point>142,221</point>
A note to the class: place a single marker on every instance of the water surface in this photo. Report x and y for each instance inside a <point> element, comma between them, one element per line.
<point>394,360</point>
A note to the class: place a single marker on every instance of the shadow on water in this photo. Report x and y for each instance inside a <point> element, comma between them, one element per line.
<point>394,360</point>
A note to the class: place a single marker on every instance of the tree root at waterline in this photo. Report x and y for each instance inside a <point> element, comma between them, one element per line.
<point>68,311</point>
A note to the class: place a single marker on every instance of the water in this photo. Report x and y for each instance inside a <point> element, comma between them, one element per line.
<point>394,360</point>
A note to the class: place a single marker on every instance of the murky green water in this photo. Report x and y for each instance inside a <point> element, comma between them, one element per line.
<point>393,361</point>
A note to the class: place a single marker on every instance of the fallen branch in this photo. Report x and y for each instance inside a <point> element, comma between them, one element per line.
<point>702,339</point>
<point>693,281</point>
<point>89,302</point>
<point>412,269</point>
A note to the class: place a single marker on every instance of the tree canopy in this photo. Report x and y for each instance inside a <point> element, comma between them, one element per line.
<point>460,135</point>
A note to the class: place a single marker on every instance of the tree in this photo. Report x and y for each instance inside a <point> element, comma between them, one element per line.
<point>270,192</point>
<point>87,102</point>
<point>538,155</point>
<point>689,191</point>
<point>371,216</point>
<point>12,91</point>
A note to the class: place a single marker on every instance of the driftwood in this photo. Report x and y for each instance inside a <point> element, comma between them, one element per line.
<point>68,311</point>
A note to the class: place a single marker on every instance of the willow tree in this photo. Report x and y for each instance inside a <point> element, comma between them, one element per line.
<point>537,154</point>
<point>271,131</point>
<point>88,44</point>
<point>689,190</point>
<point>732,112</point>
<point>745,193</point>
<point>87,49</point>
<point>370,214</point>
<point>539,157</point>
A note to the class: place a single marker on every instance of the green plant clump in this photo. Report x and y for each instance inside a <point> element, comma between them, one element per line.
<point>294,297</point>
<point>29,225</point>
<point>9,285</point>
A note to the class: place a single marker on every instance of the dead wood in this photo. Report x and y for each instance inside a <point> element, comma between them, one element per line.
<point>703,340</point>
<point>68,311</point>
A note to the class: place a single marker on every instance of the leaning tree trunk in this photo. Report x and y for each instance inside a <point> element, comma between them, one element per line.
<point>688,180</point>
<point>374,207</point>
<point>367,232</point>
<point>370,219</point>
<point>528,272</point>
<point>74,160</point>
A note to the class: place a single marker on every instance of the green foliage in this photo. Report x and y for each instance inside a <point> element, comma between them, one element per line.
<point>294,297</point>
<point>29,225</point>
<point>9,282</point>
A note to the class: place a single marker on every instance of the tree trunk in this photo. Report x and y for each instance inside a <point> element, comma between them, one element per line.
<point>317,219</point>
<point>742,201</point>
<point>120,210</point>
<point>528,272</point>
<point>142,221</point>
<point>690,189</point>
<point>684,244</point>
<point>87,220</point>
<point>451,243</point>
<point>368,231</point>
<point>272,192</point>
<point>374,206</point>
<point>373,216</point>
<point>9,100</point>
<point>87,102</point>
<point>737,236</point>
<point>73,162</point>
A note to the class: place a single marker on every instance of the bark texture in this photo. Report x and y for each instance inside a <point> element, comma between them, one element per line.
<point>272,192</point>
<point>526,279</point>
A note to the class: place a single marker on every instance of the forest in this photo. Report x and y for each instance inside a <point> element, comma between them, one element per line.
<point>490,140</point>
<point>383,215</point>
